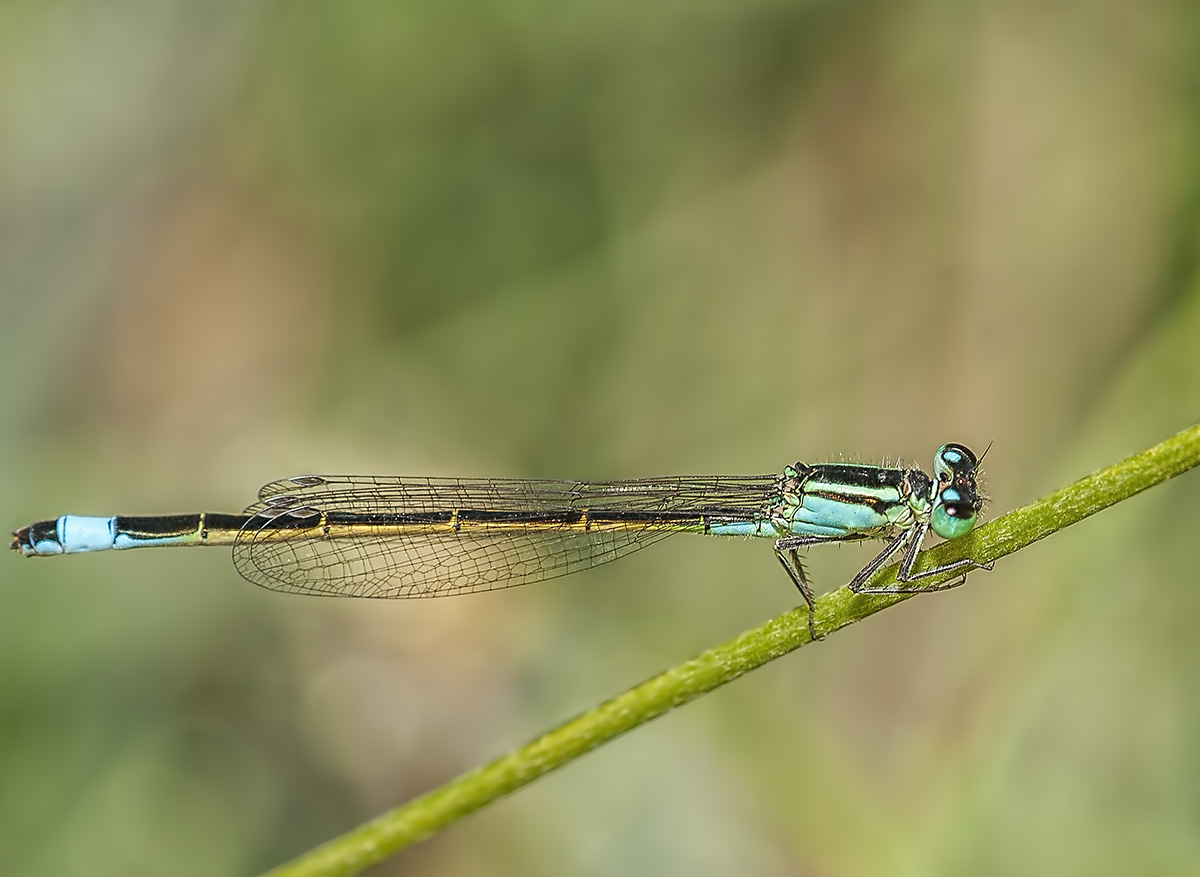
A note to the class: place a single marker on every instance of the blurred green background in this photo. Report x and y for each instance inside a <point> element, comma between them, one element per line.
<point>240,241</point>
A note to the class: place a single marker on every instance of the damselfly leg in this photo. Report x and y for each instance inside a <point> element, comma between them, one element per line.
<point>786,549</point>
<point>911,541</point>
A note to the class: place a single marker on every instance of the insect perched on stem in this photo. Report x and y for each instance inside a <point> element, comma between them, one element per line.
<point>394,537</point>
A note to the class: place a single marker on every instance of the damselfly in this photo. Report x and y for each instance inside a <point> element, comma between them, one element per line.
<point>366,536</point>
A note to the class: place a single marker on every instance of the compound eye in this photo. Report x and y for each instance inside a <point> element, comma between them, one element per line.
<point>953,458</point>
<point>951,520</point>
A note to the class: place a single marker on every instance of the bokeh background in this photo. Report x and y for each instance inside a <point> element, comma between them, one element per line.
<point>245,240</point>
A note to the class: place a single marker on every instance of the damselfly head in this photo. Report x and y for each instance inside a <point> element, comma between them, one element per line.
<point>957,504</point>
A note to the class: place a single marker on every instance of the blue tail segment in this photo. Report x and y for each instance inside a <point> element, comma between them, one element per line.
<point>70,534</point>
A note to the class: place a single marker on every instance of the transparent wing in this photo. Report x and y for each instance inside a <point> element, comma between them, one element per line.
<point>427,537</point>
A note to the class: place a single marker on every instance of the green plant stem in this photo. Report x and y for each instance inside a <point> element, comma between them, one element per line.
<point>374,841</point>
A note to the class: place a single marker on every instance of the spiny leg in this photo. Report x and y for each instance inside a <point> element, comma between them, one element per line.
<point>965,564</point>
<point>911,540</point>
<point>789,558</point>
<point>864,574</point>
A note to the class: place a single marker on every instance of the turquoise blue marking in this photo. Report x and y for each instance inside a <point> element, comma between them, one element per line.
<point>824,531</point>
<point>744,528</point>
<point>80,533</point>
<point>46,548</point>
<point>845,516</point>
